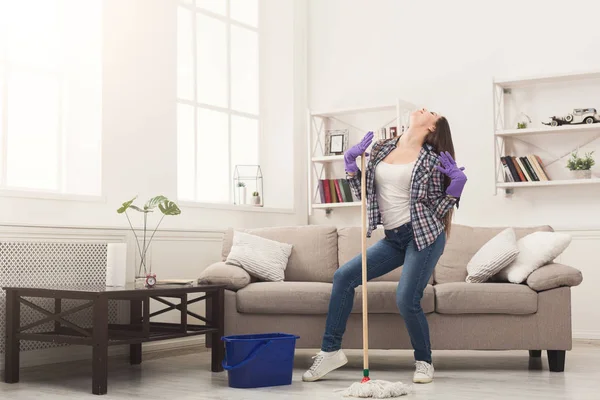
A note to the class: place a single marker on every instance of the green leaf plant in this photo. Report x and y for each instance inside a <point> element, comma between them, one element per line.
<point>165,206</point>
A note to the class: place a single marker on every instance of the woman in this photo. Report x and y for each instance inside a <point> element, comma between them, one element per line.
<point>412,196</point>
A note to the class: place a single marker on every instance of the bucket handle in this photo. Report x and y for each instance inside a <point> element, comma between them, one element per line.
<point>250,357</point>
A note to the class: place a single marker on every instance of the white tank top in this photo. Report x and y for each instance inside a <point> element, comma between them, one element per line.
<point>392,186</point>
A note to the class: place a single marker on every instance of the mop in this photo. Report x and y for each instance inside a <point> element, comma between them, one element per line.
<point>376,389</point>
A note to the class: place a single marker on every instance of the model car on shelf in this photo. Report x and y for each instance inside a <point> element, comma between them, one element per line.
<point>578,116</point>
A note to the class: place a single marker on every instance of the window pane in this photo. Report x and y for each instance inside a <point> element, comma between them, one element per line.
<point>185,152</point>
<point>213,172</point>
<point>244,141</point>
<point>245,11</point>
<point>32,131</point>
<point>216,6</point>
<point>33,32</point>
<point>244,70</point>
<point>185,54</point>
<point>212,61</point>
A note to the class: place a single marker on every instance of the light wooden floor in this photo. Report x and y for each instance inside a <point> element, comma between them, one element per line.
<point>460,375</point>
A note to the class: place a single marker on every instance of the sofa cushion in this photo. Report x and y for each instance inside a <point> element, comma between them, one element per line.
<point>349,247</point>
<point>382,298</point>
<point>232,276</point>
<point>312,298</point>
<point>314,251</point>
<point>461,246</point>
<point>484,298</point>
<point>284,298</point>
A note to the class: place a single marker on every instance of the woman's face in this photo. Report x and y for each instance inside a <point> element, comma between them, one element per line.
<point>424,118</point>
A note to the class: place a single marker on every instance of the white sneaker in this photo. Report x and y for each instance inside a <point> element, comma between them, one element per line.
<point>423,372</point>
<point>324,363</point>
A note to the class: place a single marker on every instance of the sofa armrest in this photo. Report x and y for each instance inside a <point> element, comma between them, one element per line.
<point>232,276</point>
<point>552,276</point>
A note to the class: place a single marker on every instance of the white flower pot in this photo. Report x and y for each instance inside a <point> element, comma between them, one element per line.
<point>242,193</point>
<point>256,200</point>
<point>582,174</point>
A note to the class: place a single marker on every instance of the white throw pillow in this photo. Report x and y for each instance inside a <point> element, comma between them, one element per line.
<point>535,251</point>
<point>496,254</point>
<point>262,258</point>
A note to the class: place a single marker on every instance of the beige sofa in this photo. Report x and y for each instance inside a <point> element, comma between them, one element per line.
<point>485,316</point>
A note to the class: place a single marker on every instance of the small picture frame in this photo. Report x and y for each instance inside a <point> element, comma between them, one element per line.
<point>393,131</point>
<point>336,141</point>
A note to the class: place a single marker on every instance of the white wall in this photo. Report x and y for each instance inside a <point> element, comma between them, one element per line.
<point>444,55</point>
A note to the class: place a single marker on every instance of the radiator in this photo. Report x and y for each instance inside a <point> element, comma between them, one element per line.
<point>52,263</point>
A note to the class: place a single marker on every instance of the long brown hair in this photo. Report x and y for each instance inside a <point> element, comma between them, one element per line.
<point>441,140</point>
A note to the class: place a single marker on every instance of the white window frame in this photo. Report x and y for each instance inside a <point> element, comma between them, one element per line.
<point>229,22</point>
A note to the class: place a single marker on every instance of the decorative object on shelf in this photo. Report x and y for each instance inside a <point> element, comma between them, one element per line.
<point>336,141</point>
<point>393,132</point>
<point>256,199</point>
<point>166,207</point>
<point>523,123</point>
<point>247,178</point>
<point>241,187</point>
<point>578,116</point>
<point>581,167</point>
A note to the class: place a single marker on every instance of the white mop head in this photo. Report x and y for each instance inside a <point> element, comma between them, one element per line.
<point>377,389</point>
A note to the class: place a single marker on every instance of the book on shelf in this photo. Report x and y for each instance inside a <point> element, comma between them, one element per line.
<point>347,191</point>
<point>528,168</point>
<point>338,191</point>
<point>322,190</point>
<point>519,170</point>
<point>335,191</point>
<point>334,198</point>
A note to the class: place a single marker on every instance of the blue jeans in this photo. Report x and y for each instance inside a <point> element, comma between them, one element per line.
<point>396,249</point>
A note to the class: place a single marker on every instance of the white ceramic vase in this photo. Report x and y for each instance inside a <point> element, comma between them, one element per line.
<point>256,200</point>
<point>242,193</point>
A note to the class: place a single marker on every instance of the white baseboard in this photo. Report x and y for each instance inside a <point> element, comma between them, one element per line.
<point>79,353</point>
<point>586,334</point>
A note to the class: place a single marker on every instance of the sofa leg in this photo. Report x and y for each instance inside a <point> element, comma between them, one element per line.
<point>556,360</point>
<point>535,353</point>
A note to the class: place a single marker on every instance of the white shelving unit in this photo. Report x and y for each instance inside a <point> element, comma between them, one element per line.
<point>321,166</point>
<point>503,88</point>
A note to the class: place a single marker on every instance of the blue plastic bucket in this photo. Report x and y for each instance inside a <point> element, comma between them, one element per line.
<point>259,360</point>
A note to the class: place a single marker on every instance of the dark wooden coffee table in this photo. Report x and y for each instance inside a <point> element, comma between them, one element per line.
<point>102,334</point>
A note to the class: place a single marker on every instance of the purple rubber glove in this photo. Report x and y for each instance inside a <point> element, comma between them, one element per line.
<point>355,151</point>
<point>456,175</point>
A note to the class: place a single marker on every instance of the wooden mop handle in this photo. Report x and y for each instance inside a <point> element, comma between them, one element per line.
<point>363,215</point>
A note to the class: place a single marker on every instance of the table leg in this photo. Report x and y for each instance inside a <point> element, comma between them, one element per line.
<point>100,346</point>
<point>135,318</point>
<point>218,321</point>
<point>13,323</point>
<point>57,310</point>
<point>184,315</point>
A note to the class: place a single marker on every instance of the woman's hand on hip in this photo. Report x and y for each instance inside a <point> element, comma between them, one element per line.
<point>355,151</point>
<point>458,179</point>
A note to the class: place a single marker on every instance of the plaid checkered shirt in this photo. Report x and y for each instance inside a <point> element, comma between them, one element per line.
<point>429,202</point>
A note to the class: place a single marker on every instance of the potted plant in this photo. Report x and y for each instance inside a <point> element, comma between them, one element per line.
<point>524,122</point>
<point>166,207</point>
<point>581,167</point>
<point>256,199</point>
<point>242,192</point>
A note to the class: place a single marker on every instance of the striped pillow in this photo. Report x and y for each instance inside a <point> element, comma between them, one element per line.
<point>262,258</point>
<point>493,256</point>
